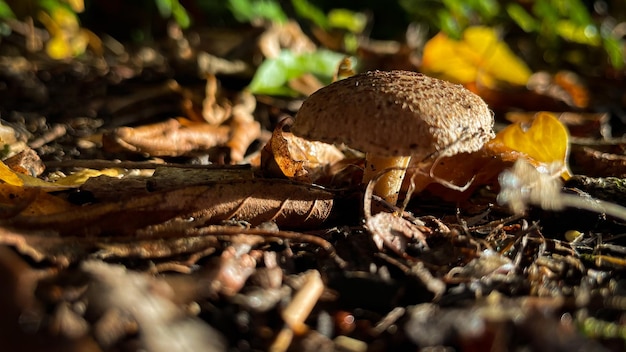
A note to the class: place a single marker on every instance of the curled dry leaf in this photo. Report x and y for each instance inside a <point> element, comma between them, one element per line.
<point>297,158</point>
<point>255,201</point>
<point>221,124</point>
<point>394,232</point>
<point>390,229</point>
<point>287,35</point>
<point>168,138</point>
<point>212,112</point>
<point>26,162</point>
<point>234,268</point>
<point>245,129</point>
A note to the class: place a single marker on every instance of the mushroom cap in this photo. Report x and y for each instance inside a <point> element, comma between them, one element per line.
<point>396,113</point>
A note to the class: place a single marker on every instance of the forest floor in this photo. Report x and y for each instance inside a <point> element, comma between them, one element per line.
<point>151,201</point>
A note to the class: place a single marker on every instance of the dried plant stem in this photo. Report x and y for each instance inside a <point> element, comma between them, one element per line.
<point>524,184</point>
<point>595,205</point>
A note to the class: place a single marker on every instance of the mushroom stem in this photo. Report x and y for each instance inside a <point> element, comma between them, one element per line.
<point>387,185</point>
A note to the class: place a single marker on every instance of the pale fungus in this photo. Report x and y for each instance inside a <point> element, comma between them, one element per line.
<point>394,116</point>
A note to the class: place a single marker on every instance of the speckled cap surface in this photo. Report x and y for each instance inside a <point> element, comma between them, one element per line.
<point>394,113</point>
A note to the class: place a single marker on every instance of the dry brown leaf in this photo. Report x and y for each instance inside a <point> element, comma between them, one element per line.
<point>390,230</point>
<point>276,158</point>
<point>244,128</point>
<point>167,138</point>
<point>255,201</point>
<point>212,112</point>
<point>473,169</point>
<point>234,268</point>
<point>26,162</point>
<point>297,158</point>
<point>394,232</point>
<point>565,86</point>
<point>287,35</point>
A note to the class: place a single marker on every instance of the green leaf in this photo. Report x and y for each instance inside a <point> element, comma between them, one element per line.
<point>309,11</point>
<point>523,19</point>
<point>352,21</point>
<point>249,10</point>
<point>585,34</point>
<point>180,15</point>
<point>273,75</point>
<point>173,8</point>
<point>615,51</point>
<point>5,10</point>
<point>164,7</point>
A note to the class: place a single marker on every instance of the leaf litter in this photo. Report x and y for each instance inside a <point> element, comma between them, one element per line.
<point>177,247</point>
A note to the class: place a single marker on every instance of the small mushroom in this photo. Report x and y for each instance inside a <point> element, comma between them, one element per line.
<point>394,116</point>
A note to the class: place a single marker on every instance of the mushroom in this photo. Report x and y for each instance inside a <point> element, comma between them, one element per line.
<point>394,116</point>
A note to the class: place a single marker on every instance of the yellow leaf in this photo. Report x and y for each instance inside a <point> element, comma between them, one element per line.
<point>76,5</point>
<point>9,176</point>
<point>30,201</point>
<point>546,140</point>
<point>479,56</point>
<point>78,178</point>
<point>72,181</point>
<point>58,48</point>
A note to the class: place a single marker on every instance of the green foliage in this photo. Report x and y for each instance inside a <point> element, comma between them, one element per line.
<point>311,12</point>
<point>173,8</point>
<point>273,75</point>
<point>552,22</point>
<point>252,10</point>
<point>353,22</point>
<point>5,10</point>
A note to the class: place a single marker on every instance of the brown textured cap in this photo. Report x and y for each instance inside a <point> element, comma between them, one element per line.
<point>396,113</point>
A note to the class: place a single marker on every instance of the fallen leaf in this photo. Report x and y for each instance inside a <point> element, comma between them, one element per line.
<point>212,112</point>
<point>480,56</point>
<point>30,201</point>
<point>565,86</point>
<point>297,158</point>
<point>167,138</point>
<point>74,180</point>
<point>578,124</point>
<point>9,176</point>
<point>475,169</point>
<point>545,141</point>
<point>26,162</point>
<point>289,204</point>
